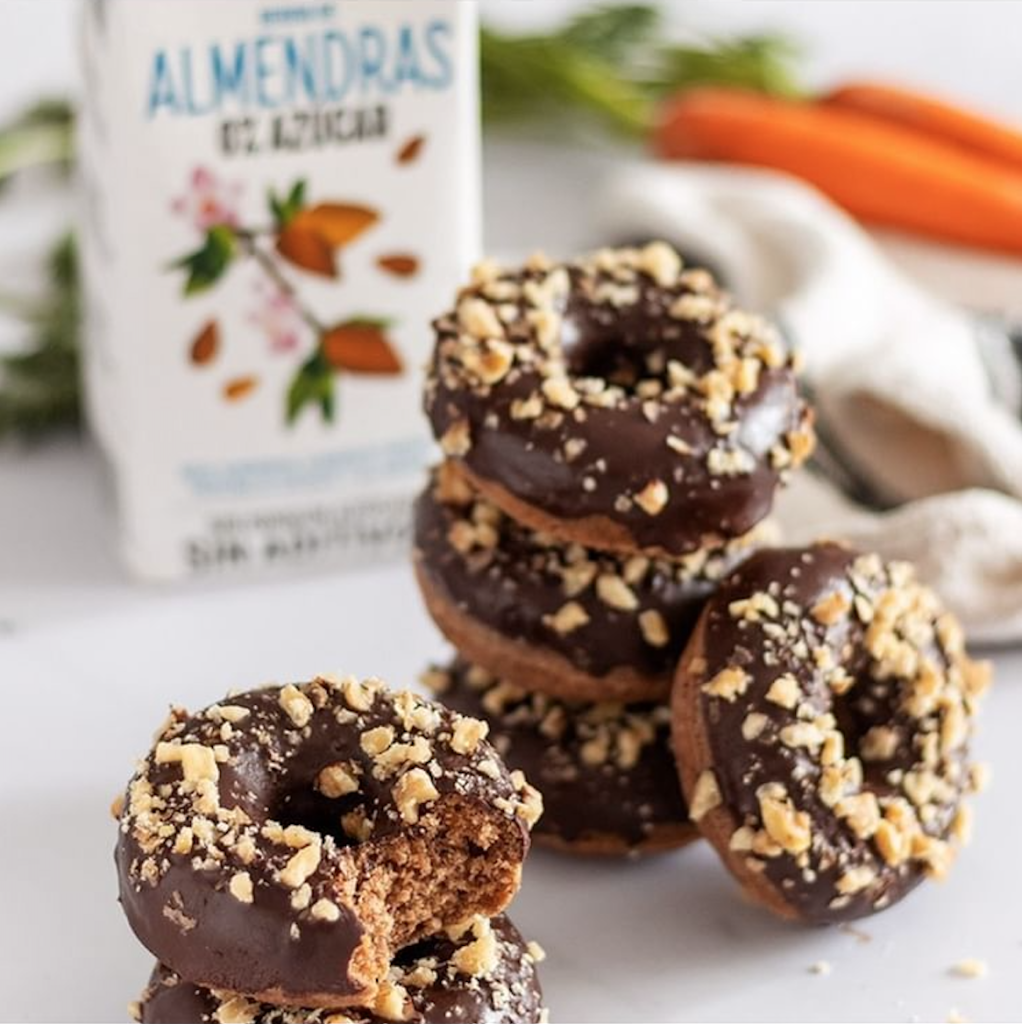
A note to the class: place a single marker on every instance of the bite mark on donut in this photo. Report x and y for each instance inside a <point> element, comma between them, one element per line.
<point>423,832</point>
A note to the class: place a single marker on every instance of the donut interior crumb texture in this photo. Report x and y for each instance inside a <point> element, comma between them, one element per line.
<point>308,832</point>
<point>822,718</point>
<point>609,400</point>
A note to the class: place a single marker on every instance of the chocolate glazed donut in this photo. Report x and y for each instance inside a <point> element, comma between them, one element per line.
<point>577,623</point>
<point>287,842</point>
<point>606,770</point>
<point>620,402</point>
<point>821,720</point>
<point>485,975</point>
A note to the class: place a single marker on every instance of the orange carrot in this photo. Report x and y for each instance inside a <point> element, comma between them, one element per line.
<point>881,173</point>
<point>934,117</point>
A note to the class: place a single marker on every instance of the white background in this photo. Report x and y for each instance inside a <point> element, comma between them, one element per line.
<point>88,661</point>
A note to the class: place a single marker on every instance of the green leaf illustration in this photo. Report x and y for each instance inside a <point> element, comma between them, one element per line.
<point>207,264</point>
<point>364,320</point>
<point>312,385</point>
<point>285,209</point>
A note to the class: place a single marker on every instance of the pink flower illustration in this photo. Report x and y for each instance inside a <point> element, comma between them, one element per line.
<point>278,317</point>
<point>209,200</point>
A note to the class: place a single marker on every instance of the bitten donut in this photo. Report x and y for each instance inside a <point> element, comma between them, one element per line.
<point>606,770</point>
<point>288,841</point>
<point>821,719</point>
<point>482,973</point>
<point>621,401</point>
<point>580,624</point>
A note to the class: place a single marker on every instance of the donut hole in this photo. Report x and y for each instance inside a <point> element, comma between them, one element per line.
<point>622,348</point>
<point>868,706</point>
<point>305,806</point>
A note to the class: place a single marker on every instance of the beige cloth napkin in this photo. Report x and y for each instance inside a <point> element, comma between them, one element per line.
<point>918,404</point>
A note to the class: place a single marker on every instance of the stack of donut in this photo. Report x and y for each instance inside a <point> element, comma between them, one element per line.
<point>329,851</point>
<point>595,547</point>
<point>615,430</point>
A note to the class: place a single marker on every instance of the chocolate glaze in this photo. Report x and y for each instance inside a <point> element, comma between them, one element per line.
<point>517,586</point>
<point>509,994</point>
<point>179,903</point>
<point>623,450</point>
<point>609,806</point>
<point>798,579</point>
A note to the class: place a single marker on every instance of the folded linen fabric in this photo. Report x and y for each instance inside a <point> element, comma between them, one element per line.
<point>918,400</point>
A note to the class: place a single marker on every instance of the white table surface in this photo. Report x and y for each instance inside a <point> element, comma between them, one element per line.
<point>89,662</point>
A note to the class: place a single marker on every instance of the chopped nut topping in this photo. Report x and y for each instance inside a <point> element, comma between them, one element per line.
<point>729,683</point>
<point>612,590</point>
<point>879,743</point>
<point>358,696</point>
<point>468,734</point>
<point>559,392</point>
<point>296,705</point>
<point>784,690</point>
<point>862,812</point>
<point>233,713</point>
<point>301,866</point>
<point>654,628</point>
<point>831,609</point>
<point>337,780</point>
<point>661,262</point>
<point>788,827</point>
<point>753,609</point>
<point>198,762</point>
<point>753,725</point>
<point>480,957</point>
<point>705,796</point>
<point>457,439</point>
<point>376,741</point>
<point>241,887</point>
<point>653,498</point>
<point>855,879</point>
<point>391,1002</point>
<point>970,968</point>
<point>237,1010</point>
<point>478,318</point>
<point>567,618</point>
<point>325,910</point>
<point>414,789</point>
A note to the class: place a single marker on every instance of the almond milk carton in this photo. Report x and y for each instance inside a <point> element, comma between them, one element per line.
<point>276,198</point>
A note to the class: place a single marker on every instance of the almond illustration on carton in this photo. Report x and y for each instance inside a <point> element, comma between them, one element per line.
<point>206,344</point>
<point>400,264</point>
<point>410,150</point>
<point>310,238</point>
<point>304,235</point>
<point>360,345</point>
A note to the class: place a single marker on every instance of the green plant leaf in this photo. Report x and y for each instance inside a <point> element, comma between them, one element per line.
<point>39,385</point>
<point>312,385</point>
<point>286,209</point>
<point>763,63</point>
<point>206,265</point>
<point>42,135</point>
<point>611,31</point>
